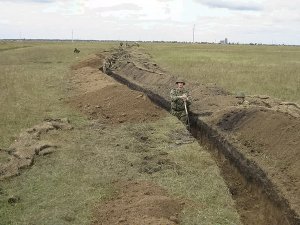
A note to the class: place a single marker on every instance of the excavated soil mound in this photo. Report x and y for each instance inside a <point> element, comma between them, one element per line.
<point>101,97</point>
<point>94,62</point>
<point>118,104</point>
<point>273,140</point>
<point>139,203</point>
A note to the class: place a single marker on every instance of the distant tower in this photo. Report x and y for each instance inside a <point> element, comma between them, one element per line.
<point>226,41</point>
<point>194,33</point>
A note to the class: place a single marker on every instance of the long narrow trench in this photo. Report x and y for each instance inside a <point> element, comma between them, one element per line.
<point>253,203</point>
<point>257,201</point>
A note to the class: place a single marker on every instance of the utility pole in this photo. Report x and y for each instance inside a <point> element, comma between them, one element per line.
<point>194,33</point>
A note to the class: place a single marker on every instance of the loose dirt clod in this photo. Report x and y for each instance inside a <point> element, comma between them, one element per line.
<point>139,203</point>
<point>28,145</point>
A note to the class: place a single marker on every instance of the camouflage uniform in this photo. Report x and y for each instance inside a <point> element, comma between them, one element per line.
<point>177,104</point>
<point>106,65</point>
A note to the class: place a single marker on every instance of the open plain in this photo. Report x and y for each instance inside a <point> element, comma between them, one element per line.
<point>80,147</point>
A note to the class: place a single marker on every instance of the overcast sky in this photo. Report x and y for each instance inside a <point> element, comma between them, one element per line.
<point>244,21</point>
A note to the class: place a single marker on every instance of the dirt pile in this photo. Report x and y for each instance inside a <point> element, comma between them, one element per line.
<point>28,145</point>
<point>139,203</point>
<point>264,129</point>
<point>100,97</point>
<point>118,104</point>
<point>271,139</point>
<point>94,61</point>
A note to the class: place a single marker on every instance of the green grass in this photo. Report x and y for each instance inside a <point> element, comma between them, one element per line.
<point>198,179</point>
<point>5,46</point>
<point>32,81</point>
<point>65,187</point>
<point>267,70</point>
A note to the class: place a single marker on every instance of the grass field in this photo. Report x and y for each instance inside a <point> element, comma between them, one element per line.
<point>265,70</point>
<point>24,102</point>
<point>63,188</point>
<point>5,45</point>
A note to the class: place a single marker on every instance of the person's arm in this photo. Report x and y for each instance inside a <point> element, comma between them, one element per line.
<point>174,96</point>
<point>188,97</point>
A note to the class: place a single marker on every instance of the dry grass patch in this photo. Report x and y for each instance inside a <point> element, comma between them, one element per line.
<point>65,187</point>
<point>33,83</point>
<point>266,70</point>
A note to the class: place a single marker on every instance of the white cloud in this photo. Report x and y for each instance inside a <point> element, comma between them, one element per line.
<point>28,1</point>
<point>66,7</point>
<point>240,5</point>
<point>239,20</point>
<point>121,7</point>
<point>5,22</point>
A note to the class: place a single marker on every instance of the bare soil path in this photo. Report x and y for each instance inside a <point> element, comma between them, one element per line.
<point>139,203</point>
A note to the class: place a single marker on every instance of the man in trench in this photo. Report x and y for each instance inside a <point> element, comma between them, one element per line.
<point>179,97</point>
<point>106,65</point>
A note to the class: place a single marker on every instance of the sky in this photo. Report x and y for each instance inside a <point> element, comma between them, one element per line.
<point>243,21</point>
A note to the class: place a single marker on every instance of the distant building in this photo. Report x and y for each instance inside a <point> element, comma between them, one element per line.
<point>224,42</point>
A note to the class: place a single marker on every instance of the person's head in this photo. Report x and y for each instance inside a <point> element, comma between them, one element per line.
<point>180,83</point>
<point>240,97</point>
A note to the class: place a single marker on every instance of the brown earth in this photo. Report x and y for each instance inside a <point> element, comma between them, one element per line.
<point>139,203</point>
<point>117,104</point>
<point>94,61</point>
<point>100,97</point>
<point>265,130</point>
<point>272,140</point>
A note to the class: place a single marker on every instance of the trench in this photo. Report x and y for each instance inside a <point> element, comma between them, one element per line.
<point>257,200</point>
